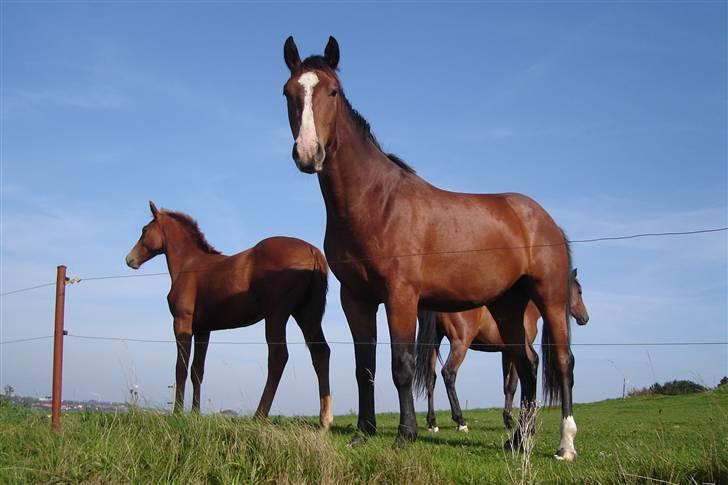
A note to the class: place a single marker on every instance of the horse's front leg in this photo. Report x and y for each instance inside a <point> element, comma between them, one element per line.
<point>202,339</point>
<point>401,306</point>
<point>510,383</point>
<point>183,335</point>
<point>362,319</point>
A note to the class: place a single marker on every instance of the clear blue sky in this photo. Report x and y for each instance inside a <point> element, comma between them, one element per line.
<point>612,116</point>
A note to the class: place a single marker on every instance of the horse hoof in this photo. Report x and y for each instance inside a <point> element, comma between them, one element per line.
<point>433,429</point>
<point>565,455</point>
<point>357,440</point>
<point>512,444</point>
<point>463,428</point>
<point>402,441</point>
<point>509,422</point>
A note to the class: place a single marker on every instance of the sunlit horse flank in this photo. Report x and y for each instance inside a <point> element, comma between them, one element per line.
<point>393,238</point>
<point>477,329</point>
<point>277,278</point>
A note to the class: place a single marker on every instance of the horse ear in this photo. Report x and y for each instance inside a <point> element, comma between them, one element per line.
<point>290,54</point>
<point>331,53</point>
<point>153,208</point>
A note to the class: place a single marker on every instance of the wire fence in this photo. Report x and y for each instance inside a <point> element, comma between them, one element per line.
<point>407,255</point>
<point>346,342</point>
<point>352,260</point>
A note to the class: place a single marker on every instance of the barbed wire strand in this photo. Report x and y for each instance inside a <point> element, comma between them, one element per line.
<point>29,339</point>
<point>346,342</point>
<point>433,253</point>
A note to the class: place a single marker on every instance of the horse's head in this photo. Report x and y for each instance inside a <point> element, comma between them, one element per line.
<point>150,244</point>
<point>313,95</point>
<point>578,308</point>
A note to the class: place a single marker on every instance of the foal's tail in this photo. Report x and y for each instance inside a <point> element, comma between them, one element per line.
<point>319,284</point>
<point>426,345</point>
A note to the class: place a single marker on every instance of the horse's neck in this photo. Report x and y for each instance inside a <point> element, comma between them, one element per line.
<point>180,248</point>
<point>356,176</point>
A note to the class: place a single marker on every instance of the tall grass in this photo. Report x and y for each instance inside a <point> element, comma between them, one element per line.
<point>143,446</point>
<point>673,439</point>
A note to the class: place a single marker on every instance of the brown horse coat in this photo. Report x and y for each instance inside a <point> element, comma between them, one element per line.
<point>277,278</point>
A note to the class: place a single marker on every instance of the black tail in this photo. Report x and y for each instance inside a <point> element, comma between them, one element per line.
<point>550,364</point>
<point>551,373</point>
<point>427,341</point>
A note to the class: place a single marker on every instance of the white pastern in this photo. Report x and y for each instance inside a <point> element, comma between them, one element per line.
<point>434,429</point>
<point>568,432</point>
<point>463,428</point>
<point>307,138</point>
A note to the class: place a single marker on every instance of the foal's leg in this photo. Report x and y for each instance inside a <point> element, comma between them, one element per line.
<point>275,335</point>
<point>510,383</point>
<point>313,334</point>
<point>202,339</point>
<point>458,349</point>
<point>431,419</point>
<point>183,335</point>
<point>401,306</point>
<point>361,317</point>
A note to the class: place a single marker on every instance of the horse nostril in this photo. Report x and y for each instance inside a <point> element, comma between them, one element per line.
<point>320,153</point>
<point>294,152</point>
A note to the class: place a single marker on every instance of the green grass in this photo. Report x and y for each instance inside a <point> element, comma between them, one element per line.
<point>677,439</point>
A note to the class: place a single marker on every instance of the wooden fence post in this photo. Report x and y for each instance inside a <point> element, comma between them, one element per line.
<point>58,348</point>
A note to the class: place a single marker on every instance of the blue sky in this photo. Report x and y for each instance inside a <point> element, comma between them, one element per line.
<point>612,116</point>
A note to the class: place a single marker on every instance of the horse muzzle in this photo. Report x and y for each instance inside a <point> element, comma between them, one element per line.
<point>132,262</point>
<point>308,161</point>
<point>583,320</point>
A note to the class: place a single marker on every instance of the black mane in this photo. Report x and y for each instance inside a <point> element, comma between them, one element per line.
<point>320,64</point>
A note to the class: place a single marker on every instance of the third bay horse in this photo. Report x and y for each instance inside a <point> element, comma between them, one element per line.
<point>476,329</point>
<point>393,238</point>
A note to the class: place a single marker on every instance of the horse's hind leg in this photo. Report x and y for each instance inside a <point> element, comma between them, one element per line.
<point>275,335</point>
<point>202,339</point>
<point>310,323</point>
<point>449,375</point>
<point>510,383</point>
<point>431,419</point>
<point>559,371</point>
<point>526,363</point>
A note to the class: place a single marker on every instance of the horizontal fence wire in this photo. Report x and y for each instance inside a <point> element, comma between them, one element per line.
<point>347,342</point>
<point>408,255</point>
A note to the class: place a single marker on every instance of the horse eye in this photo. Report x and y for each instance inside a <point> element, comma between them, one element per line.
<point>334,92</point>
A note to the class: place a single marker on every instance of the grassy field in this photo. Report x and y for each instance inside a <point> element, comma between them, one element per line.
<point>676,439</point>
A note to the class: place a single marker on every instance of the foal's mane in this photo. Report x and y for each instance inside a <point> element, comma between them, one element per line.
<point>319,63</point>
<point>189,224</point>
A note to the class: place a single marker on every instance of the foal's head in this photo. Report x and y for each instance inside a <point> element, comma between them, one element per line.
<point>578,308</point>
<point>150,244</point>
<point>313,94</point>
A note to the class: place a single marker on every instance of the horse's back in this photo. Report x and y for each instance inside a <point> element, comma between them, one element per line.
<point>286,252</point>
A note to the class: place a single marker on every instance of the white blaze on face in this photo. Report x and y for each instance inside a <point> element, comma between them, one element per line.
<point>307,139</point>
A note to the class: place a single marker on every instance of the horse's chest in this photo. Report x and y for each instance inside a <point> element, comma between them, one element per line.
<point>353,266</point>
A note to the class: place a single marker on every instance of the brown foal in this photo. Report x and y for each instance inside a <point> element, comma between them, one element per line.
<point>277,278</point>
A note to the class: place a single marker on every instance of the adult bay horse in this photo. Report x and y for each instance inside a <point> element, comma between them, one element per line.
<point>477,329</point>
<point>276,278</point>
<point>393,238</point>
